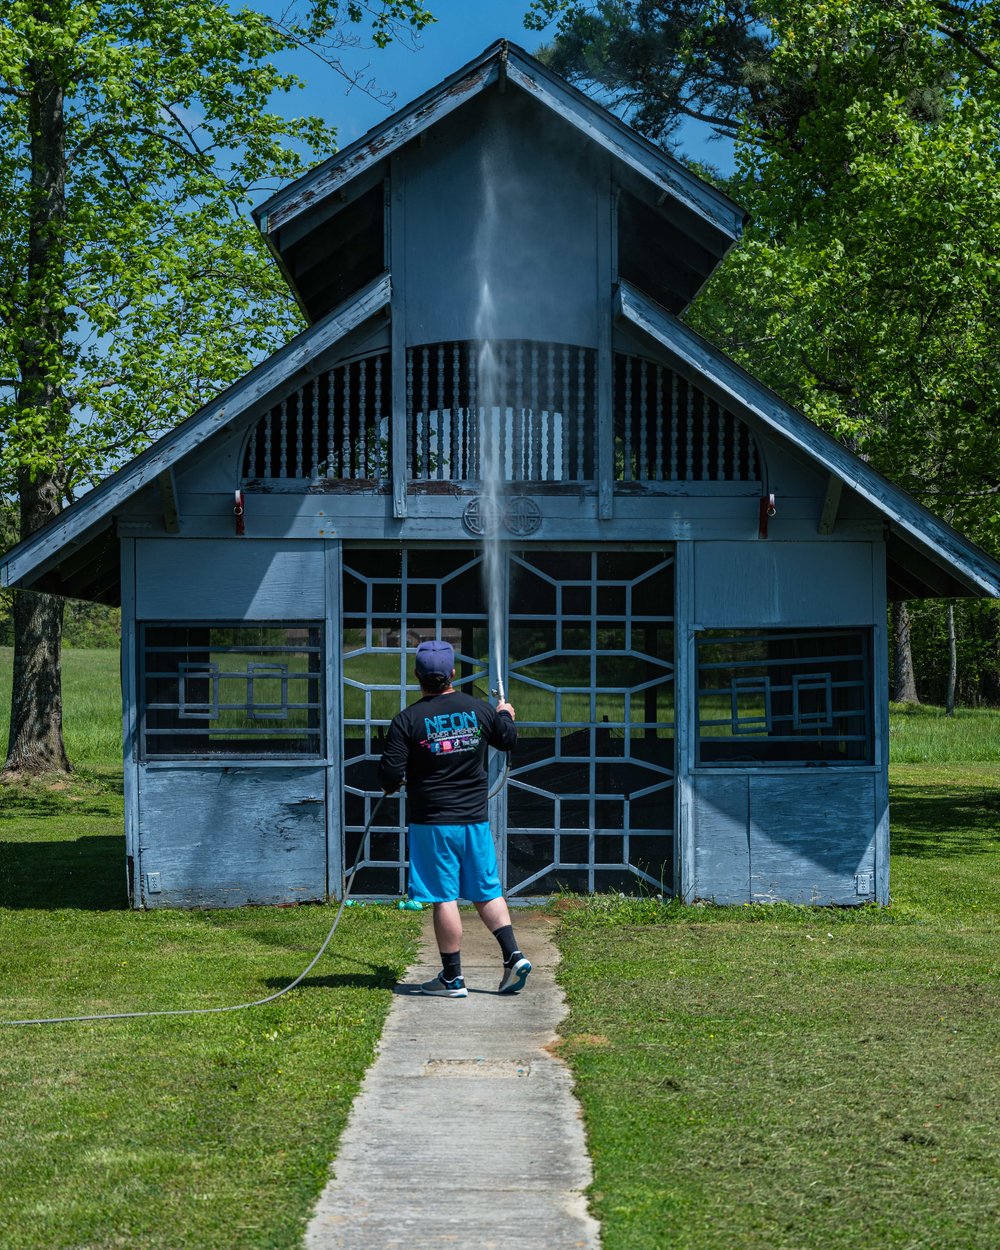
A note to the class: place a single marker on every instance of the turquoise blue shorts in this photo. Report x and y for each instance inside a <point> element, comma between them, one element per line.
<point>449,862</point>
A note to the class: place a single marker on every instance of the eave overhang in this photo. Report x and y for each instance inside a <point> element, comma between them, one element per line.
<point>83,535</point>
<point>308,204</point>
<point>927,557</point>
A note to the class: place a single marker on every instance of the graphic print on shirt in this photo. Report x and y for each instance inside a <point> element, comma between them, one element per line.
<point>452,733</point>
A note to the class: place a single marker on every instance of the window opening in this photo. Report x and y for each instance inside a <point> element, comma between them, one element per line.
<point>232,690</point>
<point>784,697</point>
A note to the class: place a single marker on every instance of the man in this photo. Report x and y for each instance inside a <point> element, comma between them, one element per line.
<point>438,745</point>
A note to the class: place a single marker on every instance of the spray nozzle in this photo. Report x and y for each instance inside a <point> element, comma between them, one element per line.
<point>498,692</point>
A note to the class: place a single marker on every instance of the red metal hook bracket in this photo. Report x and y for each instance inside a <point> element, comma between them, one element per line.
<point>241,528</point>
<point>767,510</point>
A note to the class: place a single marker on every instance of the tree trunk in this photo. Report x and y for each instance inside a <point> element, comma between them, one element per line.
<point>904,683</point>
<point>952,663</point>
<point>35,744</point>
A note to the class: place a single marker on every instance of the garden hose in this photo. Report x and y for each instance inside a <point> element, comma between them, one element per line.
<point>258,1002</point>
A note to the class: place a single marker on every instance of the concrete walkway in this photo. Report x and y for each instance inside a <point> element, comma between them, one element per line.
<point>465,1132</point>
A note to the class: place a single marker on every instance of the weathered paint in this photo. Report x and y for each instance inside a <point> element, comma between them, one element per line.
<point>544,284</point>
<point>685,686</point>
<point>809,837</point>
<point>764,837</point>
<point>720,864</point>
<point>880,682</point>
<point>785,583</point>
<point>333,678</point>
<point>230,835</point>
<point>667,175</point>
<point>130,705</point>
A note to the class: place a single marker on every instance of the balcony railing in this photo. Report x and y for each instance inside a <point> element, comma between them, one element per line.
<point>532,406</point>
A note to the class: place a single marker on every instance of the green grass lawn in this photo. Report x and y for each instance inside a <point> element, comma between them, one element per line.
<point>208,1132</point>
<point>778,1078</point>
<point>763,1077</point>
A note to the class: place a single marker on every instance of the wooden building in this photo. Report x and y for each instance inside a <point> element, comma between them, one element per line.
<point>694,577</point>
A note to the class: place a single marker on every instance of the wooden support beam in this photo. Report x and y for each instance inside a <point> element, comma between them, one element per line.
<point>606,231</point>
<point>397,307</point>
<point>168,497</point>
<point>831,504</point>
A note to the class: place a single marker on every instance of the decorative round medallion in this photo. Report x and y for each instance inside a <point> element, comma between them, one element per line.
<point>481,517</point>
<point>519,515</point>
<point>522,516</point>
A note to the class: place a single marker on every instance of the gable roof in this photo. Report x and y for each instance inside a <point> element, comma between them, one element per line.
<point>505,60</point>
<point>303,209</point>
<point>963,568</point>
<point>85,526</point>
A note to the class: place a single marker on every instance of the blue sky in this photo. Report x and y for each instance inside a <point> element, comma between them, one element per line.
<point>410,67</point>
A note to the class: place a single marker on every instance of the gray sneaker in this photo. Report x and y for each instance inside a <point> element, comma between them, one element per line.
<point>515,976</point>
<point>440,988</point>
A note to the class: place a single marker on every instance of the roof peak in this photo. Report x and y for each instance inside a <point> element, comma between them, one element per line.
<point>503,62</point>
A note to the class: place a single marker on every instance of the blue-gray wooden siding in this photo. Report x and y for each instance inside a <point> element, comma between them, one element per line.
<point>223,832</point>
<point>744,834</point>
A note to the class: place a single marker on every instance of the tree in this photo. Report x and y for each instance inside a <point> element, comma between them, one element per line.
<point>132,136</point>
<point>868,153</point>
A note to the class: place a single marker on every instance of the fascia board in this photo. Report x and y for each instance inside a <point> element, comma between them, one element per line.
<point>668,175</point>
<point>935,538</point>
<point>377,144</point>
<point>86,516</point>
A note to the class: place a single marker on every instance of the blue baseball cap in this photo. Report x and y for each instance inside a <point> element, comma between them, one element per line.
<point>435,656</point>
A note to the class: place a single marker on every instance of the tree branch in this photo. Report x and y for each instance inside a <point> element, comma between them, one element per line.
<point>721,123</point>
<point>964,41</point>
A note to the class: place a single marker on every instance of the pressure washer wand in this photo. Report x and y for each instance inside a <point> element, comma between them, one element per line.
<point>499,690</point>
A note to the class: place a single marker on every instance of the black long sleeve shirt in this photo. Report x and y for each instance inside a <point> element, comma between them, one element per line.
<point>438,744</point>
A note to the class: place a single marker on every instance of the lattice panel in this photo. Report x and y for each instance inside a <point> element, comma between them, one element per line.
<point>590,798</point>
<point>393,599</point>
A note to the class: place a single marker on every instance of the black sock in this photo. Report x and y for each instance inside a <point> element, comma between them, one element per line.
<point>452,965</point>
<point>505,936</point>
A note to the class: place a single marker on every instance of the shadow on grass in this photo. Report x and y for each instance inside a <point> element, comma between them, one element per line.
<point>936,822</point>
<point>382,978</point>
<point>85,873</point>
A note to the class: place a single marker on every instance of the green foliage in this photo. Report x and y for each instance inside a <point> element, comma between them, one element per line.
<point>662,61</point>
<point>865,289</point>
<point>977,635</point>
<point>153,289</point>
